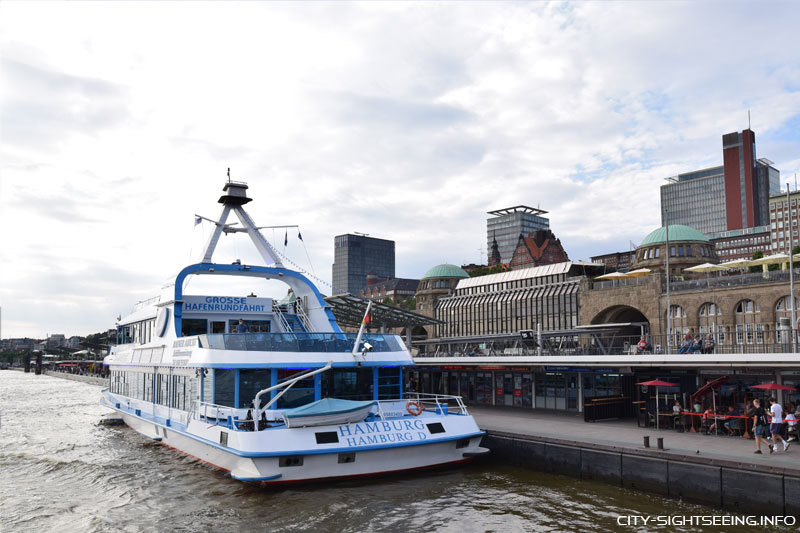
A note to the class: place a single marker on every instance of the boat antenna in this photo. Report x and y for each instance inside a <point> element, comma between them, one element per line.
<point>229,174</point>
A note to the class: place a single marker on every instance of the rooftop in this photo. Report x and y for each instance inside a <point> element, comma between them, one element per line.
<point>677,232</point>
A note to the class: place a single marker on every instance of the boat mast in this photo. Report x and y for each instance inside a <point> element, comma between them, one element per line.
<point>235,198</point>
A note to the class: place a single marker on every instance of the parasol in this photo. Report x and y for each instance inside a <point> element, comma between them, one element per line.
<point>639,273</point>
<point>706,267</point>
<point>612,275</point>
<point>772,386</point>
<point>657,383</point>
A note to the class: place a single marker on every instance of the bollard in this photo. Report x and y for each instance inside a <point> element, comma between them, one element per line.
<point>646,439</point>
<point>660,443</point>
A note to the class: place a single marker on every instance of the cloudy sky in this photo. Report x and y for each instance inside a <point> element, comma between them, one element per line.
<point>407,121</point>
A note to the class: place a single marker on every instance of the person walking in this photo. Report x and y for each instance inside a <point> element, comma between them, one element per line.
<point>777,424</point>
<point>760,426</point>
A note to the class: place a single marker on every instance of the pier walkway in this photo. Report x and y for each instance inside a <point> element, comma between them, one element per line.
<point>711,469</point>
<point>626,434</point>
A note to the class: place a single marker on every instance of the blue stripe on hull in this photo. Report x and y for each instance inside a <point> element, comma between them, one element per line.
<point>326,451</point>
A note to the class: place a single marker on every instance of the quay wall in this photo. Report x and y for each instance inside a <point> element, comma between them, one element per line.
<point>76,377</point>
<point>730,485</point>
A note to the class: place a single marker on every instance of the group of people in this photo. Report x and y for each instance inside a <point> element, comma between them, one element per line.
<point>730,418</point>
<point>766,424</point>
<point>695,344</point>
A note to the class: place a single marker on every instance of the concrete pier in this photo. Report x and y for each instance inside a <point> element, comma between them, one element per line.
<point>719,471</point>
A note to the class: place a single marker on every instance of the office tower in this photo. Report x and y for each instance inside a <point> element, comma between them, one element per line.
<point>506,225</point>
<point>733,196</point>
<point>355,256</point>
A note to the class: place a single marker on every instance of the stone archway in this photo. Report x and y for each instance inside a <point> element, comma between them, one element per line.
<point>618,337</point>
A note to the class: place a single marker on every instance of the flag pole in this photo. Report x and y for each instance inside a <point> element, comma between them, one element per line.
<point>361,329</point>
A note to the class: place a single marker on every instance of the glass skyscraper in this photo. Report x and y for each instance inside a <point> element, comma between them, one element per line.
<point>355,256</point>
<point>696,199</point>
<point>506,225</point>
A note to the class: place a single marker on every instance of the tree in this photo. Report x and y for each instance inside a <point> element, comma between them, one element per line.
<point>484,271</point>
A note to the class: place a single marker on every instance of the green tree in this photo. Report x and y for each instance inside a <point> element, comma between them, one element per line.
<point>484,271</point>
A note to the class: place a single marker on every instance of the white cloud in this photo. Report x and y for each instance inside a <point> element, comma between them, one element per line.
<point>407,121</point>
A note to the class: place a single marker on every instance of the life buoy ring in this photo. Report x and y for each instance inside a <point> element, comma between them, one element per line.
<point>414,408</point>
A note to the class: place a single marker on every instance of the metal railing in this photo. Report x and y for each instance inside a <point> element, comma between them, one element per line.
<point>438,403</point>
<point>299,342</point>
<point>276,310</point>
<point>731,342</point>
<point>735,280</point>
<point>392,409</point>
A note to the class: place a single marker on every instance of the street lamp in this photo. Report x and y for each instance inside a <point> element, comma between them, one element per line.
<point>669,306</point>
<point>791,275</point>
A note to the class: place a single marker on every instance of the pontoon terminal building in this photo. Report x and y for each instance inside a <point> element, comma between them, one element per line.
<point>554,337</point>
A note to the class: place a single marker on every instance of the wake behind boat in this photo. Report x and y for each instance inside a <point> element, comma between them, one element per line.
<point>293,398</point>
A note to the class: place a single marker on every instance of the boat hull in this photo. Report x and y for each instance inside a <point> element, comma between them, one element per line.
<point>359,450</point>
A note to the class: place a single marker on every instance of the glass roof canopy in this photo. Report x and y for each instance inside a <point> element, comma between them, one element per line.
<point>349,312</point>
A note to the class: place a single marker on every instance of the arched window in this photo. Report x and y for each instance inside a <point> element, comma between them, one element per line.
<point>710,320</point>
<point>678,324</point>
<point>783,308</point>
<point>749,329</point>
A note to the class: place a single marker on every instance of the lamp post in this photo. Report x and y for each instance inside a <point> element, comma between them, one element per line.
<point>669,306</point>
<point>791,275</point>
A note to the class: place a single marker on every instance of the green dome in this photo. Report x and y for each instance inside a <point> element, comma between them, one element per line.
<point>677,232</point>
<point>445,271</point>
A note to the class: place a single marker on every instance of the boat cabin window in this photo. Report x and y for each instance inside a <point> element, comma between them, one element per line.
<point>224,386</point>
<point>301,392</point>
<point>389,383</point>
<point>251,381</point>
<point>348,384</point>
<point>193,326</point>
<point>254,326</point>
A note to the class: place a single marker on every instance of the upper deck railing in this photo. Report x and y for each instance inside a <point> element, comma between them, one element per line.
<point>301,342</point>
<point>712,281</point>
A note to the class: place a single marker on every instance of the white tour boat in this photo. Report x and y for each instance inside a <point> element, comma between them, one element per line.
<point>292,399</point>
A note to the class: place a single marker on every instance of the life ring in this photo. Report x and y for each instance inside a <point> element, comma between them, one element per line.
<point>414,408</point>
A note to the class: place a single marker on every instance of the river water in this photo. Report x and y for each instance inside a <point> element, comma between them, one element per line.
<point>60,470</point>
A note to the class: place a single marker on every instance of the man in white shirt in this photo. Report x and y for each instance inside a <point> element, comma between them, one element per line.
<point>777,423</point>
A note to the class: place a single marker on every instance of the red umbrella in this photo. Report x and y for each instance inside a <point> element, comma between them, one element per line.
<point>657,383</point>
<point>772,386</point>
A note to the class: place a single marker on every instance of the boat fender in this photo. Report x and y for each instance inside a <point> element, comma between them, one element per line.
<point>414,408</point>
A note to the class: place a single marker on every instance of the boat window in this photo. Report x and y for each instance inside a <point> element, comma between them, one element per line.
<point>389,380</point>
<point>301,392</point>
<point>251,381</point>
<point>193,326</point>
<point>348,384</point>
<point>224,382</point>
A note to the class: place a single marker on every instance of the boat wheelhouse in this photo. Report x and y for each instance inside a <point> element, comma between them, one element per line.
<point>286,395</point>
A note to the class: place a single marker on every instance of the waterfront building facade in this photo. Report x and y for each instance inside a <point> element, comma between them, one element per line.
<point>742,243</point>
<point>397,289</point>
<point>783,223</point>
<point>554,337</point>
<point>506,225</point>
<point>615,261</point>
<point>356,256</point>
